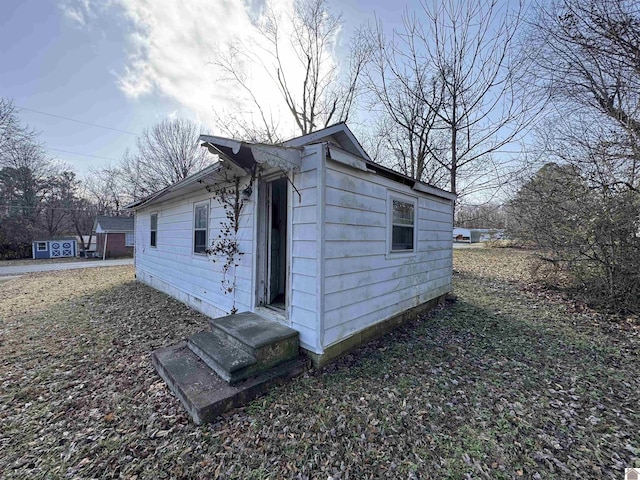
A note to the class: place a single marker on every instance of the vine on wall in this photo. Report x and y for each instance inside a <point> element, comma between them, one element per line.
<point>225,247</point>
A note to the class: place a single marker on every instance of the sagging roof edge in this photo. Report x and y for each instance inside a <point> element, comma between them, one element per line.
<point>342,156</point>
<point>246,154</point>
<point>288,157</point>
<point>211,169</point>
<point>235,154</point>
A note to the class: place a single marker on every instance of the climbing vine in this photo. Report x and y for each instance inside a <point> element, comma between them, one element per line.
<point>225,247</point>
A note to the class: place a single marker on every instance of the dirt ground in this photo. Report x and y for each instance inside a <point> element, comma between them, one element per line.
<point>511,381</point>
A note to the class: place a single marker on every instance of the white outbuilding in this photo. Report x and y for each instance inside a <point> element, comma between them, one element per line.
<point>325,241</point>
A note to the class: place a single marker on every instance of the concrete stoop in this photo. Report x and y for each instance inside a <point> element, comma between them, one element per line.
<point>230,365</point>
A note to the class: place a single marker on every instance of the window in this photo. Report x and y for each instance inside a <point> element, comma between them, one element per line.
<point>154,229</point>
<point>200,227</point>
<point>129,239</point>
<point>42,246</point>
<point>403,220</point>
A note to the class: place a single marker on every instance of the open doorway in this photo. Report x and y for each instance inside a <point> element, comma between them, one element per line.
<point>273,245</point>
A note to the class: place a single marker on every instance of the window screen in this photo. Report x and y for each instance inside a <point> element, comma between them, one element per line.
<point>154,229</point>
<point>403,224</point>
<point>200,228</point>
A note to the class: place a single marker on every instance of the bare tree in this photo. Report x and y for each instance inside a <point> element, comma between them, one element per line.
<point>397,80</point>
<point>488,215</point>
<point>312,88</point>
<point>450,79</point>
<point>590,63</point>
<point>582,211</point>
<point>166,153</point>
<point>27,175</point>
<point>107,191</point>
<point>38,196</point>
<point>12,132</point>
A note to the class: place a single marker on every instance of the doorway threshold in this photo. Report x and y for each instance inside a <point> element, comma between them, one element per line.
<point>274,314</point>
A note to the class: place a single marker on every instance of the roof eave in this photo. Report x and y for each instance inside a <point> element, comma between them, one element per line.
<point>247,154</point>
<point>196,177</point>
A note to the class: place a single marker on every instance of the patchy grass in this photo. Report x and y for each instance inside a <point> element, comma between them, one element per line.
<point>509,382</point>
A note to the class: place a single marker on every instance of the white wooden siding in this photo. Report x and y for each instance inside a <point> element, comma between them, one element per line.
<point>342,277</point>
<point>365,284</point>
<point>174,268</point>
<point>303,259</point>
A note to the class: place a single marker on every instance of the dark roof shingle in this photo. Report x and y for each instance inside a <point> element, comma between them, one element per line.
<point>114,224</point>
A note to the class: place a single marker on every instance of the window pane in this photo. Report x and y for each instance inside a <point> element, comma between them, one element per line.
<point>402,238</point>
<point>154,221</point>
<point>153,238</point>
<point>128,240</point>
<point>200,241</point>
<point>201,217</point>
<point>402,213</point>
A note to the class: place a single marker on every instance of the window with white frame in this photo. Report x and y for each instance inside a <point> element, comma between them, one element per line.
<point>129,239</point>
<point>42,246</point>
<point>200,228</point>
<point>403,223</point>
<point>154,230</point>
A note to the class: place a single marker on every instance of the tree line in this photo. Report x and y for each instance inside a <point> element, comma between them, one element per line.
<point>581,208</point>
<point>41,198</point>
<point>532,108</point>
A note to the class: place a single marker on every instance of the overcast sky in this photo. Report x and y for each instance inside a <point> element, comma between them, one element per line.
<point>127,64</point>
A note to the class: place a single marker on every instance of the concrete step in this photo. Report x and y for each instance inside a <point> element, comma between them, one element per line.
<point>230,362</point>
<point>203,393</point>
<point>268,342</point>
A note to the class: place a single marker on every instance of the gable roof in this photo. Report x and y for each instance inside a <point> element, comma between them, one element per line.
<point>339,132</point>
<point>339,135</point>
<point>105,224</point>
<point>242,156</point>
<point>56,239</point>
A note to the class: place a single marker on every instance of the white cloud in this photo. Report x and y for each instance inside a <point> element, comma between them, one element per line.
<point>172,45</point>
<point>81,12</point>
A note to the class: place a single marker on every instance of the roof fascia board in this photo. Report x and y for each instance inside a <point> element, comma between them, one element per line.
<point>210,170</point>
<point>424,188</point>
<point>313,136</point>
<point>341,156</point>
<point>234,145</point>
<point>285,157</point>
<point>327,132</point>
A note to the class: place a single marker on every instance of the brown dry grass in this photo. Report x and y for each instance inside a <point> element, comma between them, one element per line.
<point>509,382</point>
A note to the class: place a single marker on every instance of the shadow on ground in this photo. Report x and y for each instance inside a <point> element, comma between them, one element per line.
<point>502,384</point>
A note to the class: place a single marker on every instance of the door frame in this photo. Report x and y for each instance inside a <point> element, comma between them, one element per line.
<point>263,244</point>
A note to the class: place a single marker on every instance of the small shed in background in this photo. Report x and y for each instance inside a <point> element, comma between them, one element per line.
<point>55,248</point>
<point>114,236</point>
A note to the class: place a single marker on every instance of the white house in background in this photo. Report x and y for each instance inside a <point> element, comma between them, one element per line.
<point>475,235</point>
<point>467,235</point>
<point>334,245</point>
